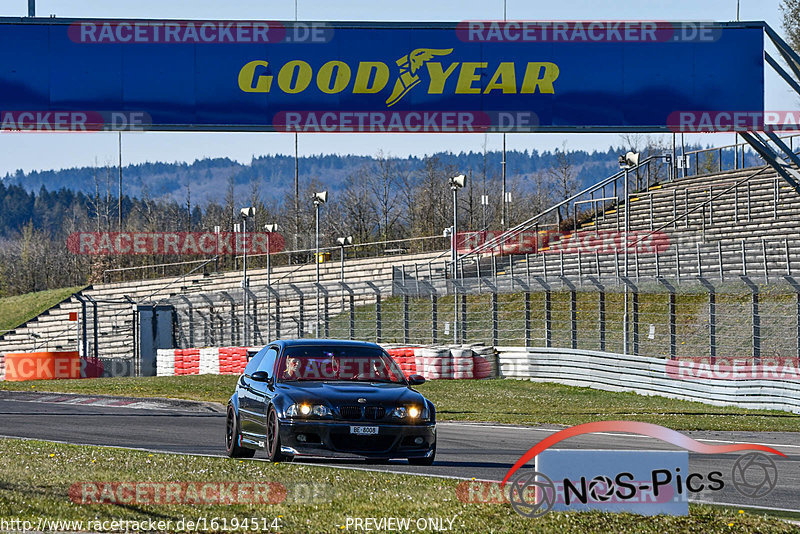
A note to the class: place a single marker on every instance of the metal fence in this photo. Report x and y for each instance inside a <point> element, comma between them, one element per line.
<point>739,317</point>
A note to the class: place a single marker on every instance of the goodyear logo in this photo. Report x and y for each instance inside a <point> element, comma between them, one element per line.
<point>371,77</point>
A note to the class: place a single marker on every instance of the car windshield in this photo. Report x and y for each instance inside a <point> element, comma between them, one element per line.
<point>344,364</point>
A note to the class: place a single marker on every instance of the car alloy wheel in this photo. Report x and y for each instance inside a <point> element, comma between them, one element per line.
<point>232,447</point>
<point>274,437</point>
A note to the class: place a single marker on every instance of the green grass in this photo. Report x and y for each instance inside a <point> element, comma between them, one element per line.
<point>36,477</point>
<point>20,308</point>
<point>502,401</point>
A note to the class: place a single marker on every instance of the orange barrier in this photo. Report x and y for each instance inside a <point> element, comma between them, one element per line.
<point>42,365</point>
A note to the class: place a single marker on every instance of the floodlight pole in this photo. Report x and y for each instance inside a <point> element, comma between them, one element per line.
<point>316,256</point>
<point>342,258</point>
<point>503,219</point>
<point>269,290</point>
<point>454,258</point>
<point>244,280</point>
<point>625,241</point>
<point>269,228</point>
<point>119,186</point>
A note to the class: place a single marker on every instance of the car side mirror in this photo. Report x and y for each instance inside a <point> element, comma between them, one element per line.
<point>261,376</point>
<point>415,380</point>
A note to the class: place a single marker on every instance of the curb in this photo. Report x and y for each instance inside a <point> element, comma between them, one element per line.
<point>112,401</point>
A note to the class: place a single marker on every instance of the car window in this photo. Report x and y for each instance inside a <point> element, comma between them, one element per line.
<point>268,362</point>
<point>255,362</point>
<point>348,363</point>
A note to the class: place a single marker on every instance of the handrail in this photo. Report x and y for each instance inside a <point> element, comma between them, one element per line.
<point>273,254</point>
<point>498,240</point>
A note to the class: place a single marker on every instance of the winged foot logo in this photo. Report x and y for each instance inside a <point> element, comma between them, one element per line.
<point>409,65</point>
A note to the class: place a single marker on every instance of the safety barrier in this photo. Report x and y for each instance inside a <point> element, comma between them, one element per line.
<point>20,366</point>
<point>2,367</point>
<point>645,376</point>
<point>437,363</point>
<point>203,361</point>
<point>434,363</point>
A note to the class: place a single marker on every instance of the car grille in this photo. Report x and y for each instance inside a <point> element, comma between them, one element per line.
<point>348,442</point>
<point>374,412</point>
<point>350,412</point>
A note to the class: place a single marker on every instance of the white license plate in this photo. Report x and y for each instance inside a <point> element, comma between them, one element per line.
<point>364,430</point>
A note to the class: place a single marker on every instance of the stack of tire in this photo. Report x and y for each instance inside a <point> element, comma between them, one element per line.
<point>484,362</point>
<point>463,363</point>
<point>434,363</point>
<point>2,367</point>
<point>165,362</point>
<point>404,357</point>
<point>209,361</point>
<point>187,362</point>
<point>232,360</point>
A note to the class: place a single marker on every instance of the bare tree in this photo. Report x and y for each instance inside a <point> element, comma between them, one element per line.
<point>564,177</point>
<point>383,179</point>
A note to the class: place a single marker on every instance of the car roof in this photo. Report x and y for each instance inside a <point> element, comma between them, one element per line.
<point>323,342</point>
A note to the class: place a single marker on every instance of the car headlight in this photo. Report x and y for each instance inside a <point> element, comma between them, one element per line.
<point>412,413</point>
<point>308,410</point>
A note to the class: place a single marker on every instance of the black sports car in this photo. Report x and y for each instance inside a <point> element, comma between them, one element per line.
<point>341,399</point>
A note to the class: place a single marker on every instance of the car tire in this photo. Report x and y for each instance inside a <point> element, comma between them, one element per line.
<point>274,437</point>
<point>232,436</point>
<point>428,460</point>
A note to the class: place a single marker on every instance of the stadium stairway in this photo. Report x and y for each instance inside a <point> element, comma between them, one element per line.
<point>722,225</point>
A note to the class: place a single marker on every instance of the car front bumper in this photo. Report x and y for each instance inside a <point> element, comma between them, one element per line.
<point>333,439</point>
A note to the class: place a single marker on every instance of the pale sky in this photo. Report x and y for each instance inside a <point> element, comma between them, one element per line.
<point>63,150</point>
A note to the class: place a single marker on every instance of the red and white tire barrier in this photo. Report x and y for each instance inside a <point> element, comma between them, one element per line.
<point>165,362</point>
<point>434,363</point>
<point>404,357</point>
<point>484,360</point>
<point>463,367</point>
<point>232,360</point>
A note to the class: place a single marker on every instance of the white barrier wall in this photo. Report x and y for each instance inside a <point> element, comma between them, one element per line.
<point>646,376</point>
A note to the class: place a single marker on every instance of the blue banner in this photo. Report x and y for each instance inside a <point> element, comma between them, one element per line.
<point>375,77</point>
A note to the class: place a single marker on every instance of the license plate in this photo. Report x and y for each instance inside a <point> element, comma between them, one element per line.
<point>364,430</point>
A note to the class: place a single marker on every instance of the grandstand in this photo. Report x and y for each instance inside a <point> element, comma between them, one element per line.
<point>111,305</point>
<point>726,224</point>
<point>720,226</point>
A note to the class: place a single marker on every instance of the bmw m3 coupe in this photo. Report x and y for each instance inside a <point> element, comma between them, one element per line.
<point>329,398</point>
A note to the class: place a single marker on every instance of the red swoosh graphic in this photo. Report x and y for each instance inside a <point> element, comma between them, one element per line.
<point>634,427</point>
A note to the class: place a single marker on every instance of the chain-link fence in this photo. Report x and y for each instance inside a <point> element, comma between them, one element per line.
<point>715,319</point>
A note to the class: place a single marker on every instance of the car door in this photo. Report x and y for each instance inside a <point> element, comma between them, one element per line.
<point>247,396</point>
<point>262,392</point>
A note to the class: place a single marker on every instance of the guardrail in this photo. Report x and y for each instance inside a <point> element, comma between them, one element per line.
<point>645,376</point>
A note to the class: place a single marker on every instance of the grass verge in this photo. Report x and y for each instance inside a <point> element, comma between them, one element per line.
<point>502,401</point>
<point>36,479</point>
<point>20,308</point>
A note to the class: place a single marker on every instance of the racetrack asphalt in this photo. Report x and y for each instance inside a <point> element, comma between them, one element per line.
<point>484,451</point>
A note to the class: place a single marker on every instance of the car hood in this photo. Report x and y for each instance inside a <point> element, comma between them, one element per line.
<point>342,394</point>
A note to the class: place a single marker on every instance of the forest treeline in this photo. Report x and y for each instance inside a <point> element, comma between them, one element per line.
<point>373,199</point>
